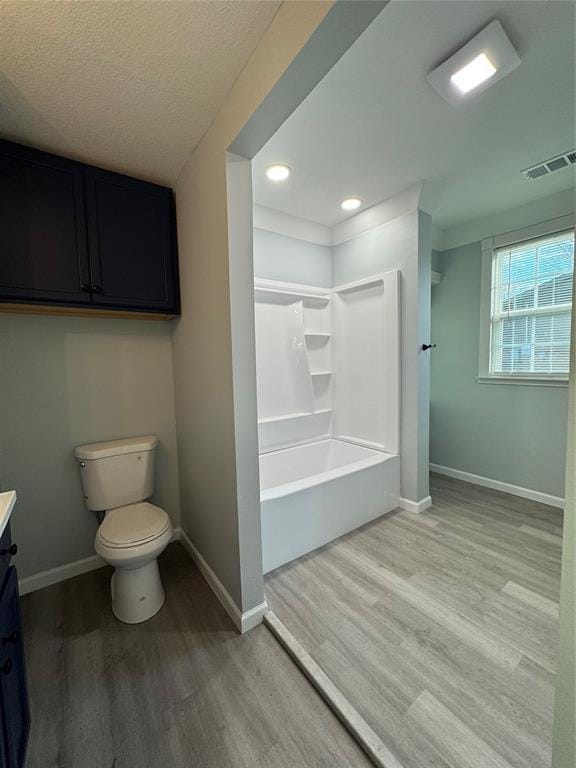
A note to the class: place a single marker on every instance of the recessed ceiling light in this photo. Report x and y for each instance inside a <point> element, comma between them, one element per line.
<point>474,73</point>
<point>483,61</point>
<point>278,172</point>
<point>351,203</point>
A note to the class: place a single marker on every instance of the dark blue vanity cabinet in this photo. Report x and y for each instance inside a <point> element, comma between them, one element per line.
<point>72,235</point>
<point>14,708</point>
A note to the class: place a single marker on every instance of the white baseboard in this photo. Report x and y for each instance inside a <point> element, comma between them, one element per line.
<point>242,621</point>
<point>416,506</point>
<point>66,571</point>
<point>497,485</point>
<point>61,573</point>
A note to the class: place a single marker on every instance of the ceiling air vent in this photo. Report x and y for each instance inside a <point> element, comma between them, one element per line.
<point>551,165</point>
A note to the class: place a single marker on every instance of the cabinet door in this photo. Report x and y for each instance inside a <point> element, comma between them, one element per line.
<point>131,242</point>
<point>43,249</point>
<point>13,688</point>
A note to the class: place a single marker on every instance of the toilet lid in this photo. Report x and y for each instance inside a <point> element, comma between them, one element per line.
<point>133,524</point>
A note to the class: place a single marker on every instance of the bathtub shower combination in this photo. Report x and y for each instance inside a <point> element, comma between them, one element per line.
<point>328,364</point>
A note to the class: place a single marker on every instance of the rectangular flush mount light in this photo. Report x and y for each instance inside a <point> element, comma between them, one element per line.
<point>483,61</point>
<point>473,74</point>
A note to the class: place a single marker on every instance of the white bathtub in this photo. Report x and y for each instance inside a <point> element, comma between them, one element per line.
<point>313,493</point>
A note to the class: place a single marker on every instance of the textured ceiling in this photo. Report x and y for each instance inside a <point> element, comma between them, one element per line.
<point>128,85</point>
<point>374,126</point>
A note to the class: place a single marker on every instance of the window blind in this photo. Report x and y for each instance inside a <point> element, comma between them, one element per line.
<point>531,305</point>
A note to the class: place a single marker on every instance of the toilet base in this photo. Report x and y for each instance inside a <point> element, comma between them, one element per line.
<point>137,593</point>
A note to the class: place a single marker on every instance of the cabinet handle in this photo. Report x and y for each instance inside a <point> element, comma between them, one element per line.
<point>85,288</point>
<point>10,551</point>
<point>6,668</point>
<point>96,289</point>
<point>11,638</point>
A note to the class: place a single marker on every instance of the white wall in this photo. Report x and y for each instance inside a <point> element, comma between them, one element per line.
<point>279,257</point>
<point>403,243</point>
<point>66,381</point>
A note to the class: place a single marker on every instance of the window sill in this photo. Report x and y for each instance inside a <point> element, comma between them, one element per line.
<point>523,382</point>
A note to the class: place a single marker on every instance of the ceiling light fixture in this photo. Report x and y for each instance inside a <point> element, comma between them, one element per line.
<point>480,63</point>
<point>278,172</point>
<point>351,203</point>
<point>473,74</point>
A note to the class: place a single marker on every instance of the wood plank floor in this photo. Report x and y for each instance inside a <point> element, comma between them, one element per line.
<point>441,629</point>
<point>181,690</point>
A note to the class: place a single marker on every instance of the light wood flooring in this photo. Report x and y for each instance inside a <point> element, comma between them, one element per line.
<point>182,690</point>
<point>441,629</point>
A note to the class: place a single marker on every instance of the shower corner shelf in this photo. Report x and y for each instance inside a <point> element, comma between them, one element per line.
<point>292,292</point>
<point>320,373</point>
<point>317,334</point>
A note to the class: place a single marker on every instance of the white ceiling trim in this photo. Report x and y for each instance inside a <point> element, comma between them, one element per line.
<point>302,229</point>
<point>381,213</point>
<point>542,229</point>
<point>291,226</point>
<point>503,222</point>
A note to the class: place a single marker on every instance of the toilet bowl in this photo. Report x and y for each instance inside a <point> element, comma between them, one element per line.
<point>117,478</point>
<point>130,539</point>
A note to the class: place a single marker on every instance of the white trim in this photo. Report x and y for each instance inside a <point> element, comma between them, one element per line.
<point>377,215</point>
<point>242,621</point>
<point>506,221</point>
<point>253,617</point>
<point>526,382</point>
<point>485,308</point>
<point>271,220</point>
<point>415,506</point>
<point>498,485</point>
<point>541,229</point>
<point>58,574</point>
<point>489,246</point>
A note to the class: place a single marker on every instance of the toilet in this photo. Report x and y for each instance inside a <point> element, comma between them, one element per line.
<point>117,478</point>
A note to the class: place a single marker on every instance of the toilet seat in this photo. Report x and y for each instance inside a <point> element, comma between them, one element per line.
<point>133,525</point>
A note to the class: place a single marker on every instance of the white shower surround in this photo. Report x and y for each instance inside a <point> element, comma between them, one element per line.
<point>328,366</point>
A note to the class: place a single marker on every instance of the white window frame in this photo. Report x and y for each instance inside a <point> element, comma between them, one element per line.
<point>489,246</point>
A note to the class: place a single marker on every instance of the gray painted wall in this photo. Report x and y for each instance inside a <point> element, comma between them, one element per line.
<point>66,381</point>
<point>278,257</point>
<point>515,434</point>
<point>400,244</point>
<point>241,277</point>
<point>301,44</point>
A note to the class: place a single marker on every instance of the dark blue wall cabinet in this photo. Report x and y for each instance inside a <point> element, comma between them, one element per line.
<point>74,235</point>
<point>14,708</point>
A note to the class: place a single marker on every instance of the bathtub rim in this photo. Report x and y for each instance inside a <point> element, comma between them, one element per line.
<point>295,486</point>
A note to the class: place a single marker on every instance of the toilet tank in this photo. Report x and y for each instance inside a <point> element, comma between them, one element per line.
<point>117,472</point>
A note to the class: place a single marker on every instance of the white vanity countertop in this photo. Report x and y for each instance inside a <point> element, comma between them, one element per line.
<point>7,502</point>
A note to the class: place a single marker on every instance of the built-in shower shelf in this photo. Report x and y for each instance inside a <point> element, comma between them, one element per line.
<point>290,416</point>
<point>281,294</point>
<point>317,335</point>
<point>321,373</point>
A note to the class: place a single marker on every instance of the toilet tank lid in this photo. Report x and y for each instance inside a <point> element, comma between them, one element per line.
<point>92,451</point>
